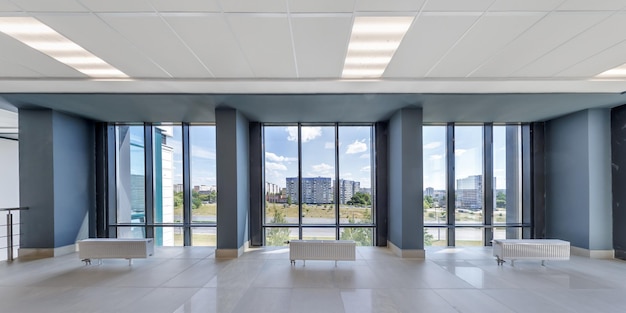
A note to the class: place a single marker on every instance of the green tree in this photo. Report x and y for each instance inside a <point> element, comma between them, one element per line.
<point>277,236</point>
<point>500,200</point>
<point>360,198</point>
<point>361,235</point>
<point>428,238</point>
<point>196,201</point>
<point>178,200</point>
<point>288,200</point>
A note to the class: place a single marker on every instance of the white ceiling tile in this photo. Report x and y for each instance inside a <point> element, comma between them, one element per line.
<point>321,6</point>
<point>588,5</point>
<point>525,5</point>
<point>550,32</point>
<point>118,5</point>
<point>10,69</point>
<point>51,6</point>
<point>160,43</point>
<point>422,47</point>
<point>187,5</point>
<point>591,42</point>
<point>266,41</point>
<point>490,34</point>
<point>252,6</point>
<point>8,6</point>
<point>216,47</point>
<point>388,5</point>
<point>603,61</point>
<point>457,5</point>
<point>321,44</point>
<point>97,37</point>
<point>32,60</point>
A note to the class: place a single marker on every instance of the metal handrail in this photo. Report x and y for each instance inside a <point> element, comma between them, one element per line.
<point>10,229</point>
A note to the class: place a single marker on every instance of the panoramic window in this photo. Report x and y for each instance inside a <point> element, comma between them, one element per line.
<point>318,183</point>
<point>507,157</point>
<point>435,180</point>
<point>170,218</point>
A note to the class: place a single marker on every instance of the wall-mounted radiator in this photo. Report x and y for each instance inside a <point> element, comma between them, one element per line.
<point>115,248</point>
<point>333,250</point>
<point>530,249</point>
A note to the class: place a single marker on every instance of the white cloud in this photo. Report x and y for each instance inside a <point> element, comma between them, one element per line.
<point>436,157</point>
<point>459,152</point>
<point>202,153</point>
<point>364,156</point>
<point>269,156</point>
<point>356,147</point>
<point>329,145</point>
<point>308,133</point>
<point>322,169</point>
<point>366,168</point>
<point>432,145</point>
<point>275,166</point>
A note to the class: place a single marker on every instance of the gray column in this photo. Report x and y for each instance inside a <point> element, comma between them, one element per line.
<point>406,223</point>
<point>57,181</point>
<point>618,159</point>
<point>578,182</point>
<point>233,194</point>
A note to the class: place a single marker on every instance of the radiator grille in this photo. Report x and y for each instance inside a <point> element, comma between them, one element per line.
<point>541,249</point>
<point>337,250</point>
<point>104,248</point>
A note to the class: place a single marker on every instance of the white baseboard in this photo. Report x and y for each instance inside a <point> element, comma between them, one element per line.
<point>592,254</point>
<point>229,253</point>
<point>407,253</point>
<point>40,253</point>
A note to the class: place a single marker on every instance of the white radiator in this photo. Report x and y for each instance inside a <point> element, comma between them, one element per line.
<point>115,248</point>
<point>533,249</point>
<point>333,250</point>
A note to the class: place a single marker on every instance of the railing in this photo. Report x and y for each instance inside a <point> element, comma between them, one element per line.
<point>9,226</point>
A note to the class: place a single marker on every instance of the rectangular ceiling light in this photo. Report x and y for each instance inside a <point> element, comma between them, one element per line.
<point>41,37</point>
<point>618,72</point>
<point>373,42</point>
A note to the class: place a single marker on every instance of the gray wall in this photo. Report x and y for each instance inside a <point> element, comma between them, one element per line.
<point>57,156</point>
<point>233,200</point>
<point>578,177</point>
<point>405,179</point>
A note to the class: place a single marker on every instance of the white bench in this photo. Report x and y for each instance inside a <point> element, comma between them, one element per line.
<point>332,250</point>
<point>530,249</point>
<point>114,248</point>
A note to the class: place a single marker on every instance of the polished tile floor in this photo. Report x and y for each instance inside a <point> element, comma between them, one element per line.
<point>192,280</point>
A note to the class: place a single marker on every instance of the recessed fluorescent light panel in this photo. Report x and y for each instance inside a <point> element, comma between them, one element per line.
<point>618,72</point>
<point>373,42</point>
<point>39,36</point>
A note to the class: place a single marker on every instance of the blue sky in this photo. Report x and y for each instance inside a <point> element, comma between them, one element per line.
<point>318,153</point>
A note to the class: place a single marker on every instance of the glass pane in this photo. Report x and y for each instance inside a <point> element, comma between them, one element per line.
<point>468,236</point>
<point>435,173</point>
<point>318,172</point>
<point>364,236</point>
<point>168,173</point>
<point>435,236</point>
<point>507,233</point>
<point>281,174</point>
<point>468,153</point>
<point>169,236</point>
<point>130,174</point>
<point>507,163</point>
<point>203,175</point>
<point>312,233</point>
<point>355,175</point>
<point>204,236</point>
<point>278,236</point>
<point>131,232</point>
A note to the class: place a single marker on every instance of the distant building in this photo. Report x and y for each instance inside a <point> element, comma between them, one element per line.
<point>178,188</point>
<point>429,191</point>
<point>273,193</point>
<point>347,189</point>
<point>315,190</point>
<point>469,192</point>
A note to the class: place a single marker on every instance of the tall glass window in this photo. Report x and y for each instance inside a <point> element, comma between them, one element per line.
<point>281,184</point>
<point>202,150</point>
<point>318,179</point>
<point>468,155</point>
<point>507,163</point>
<point>130,180</point>
<point>435,180</point>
